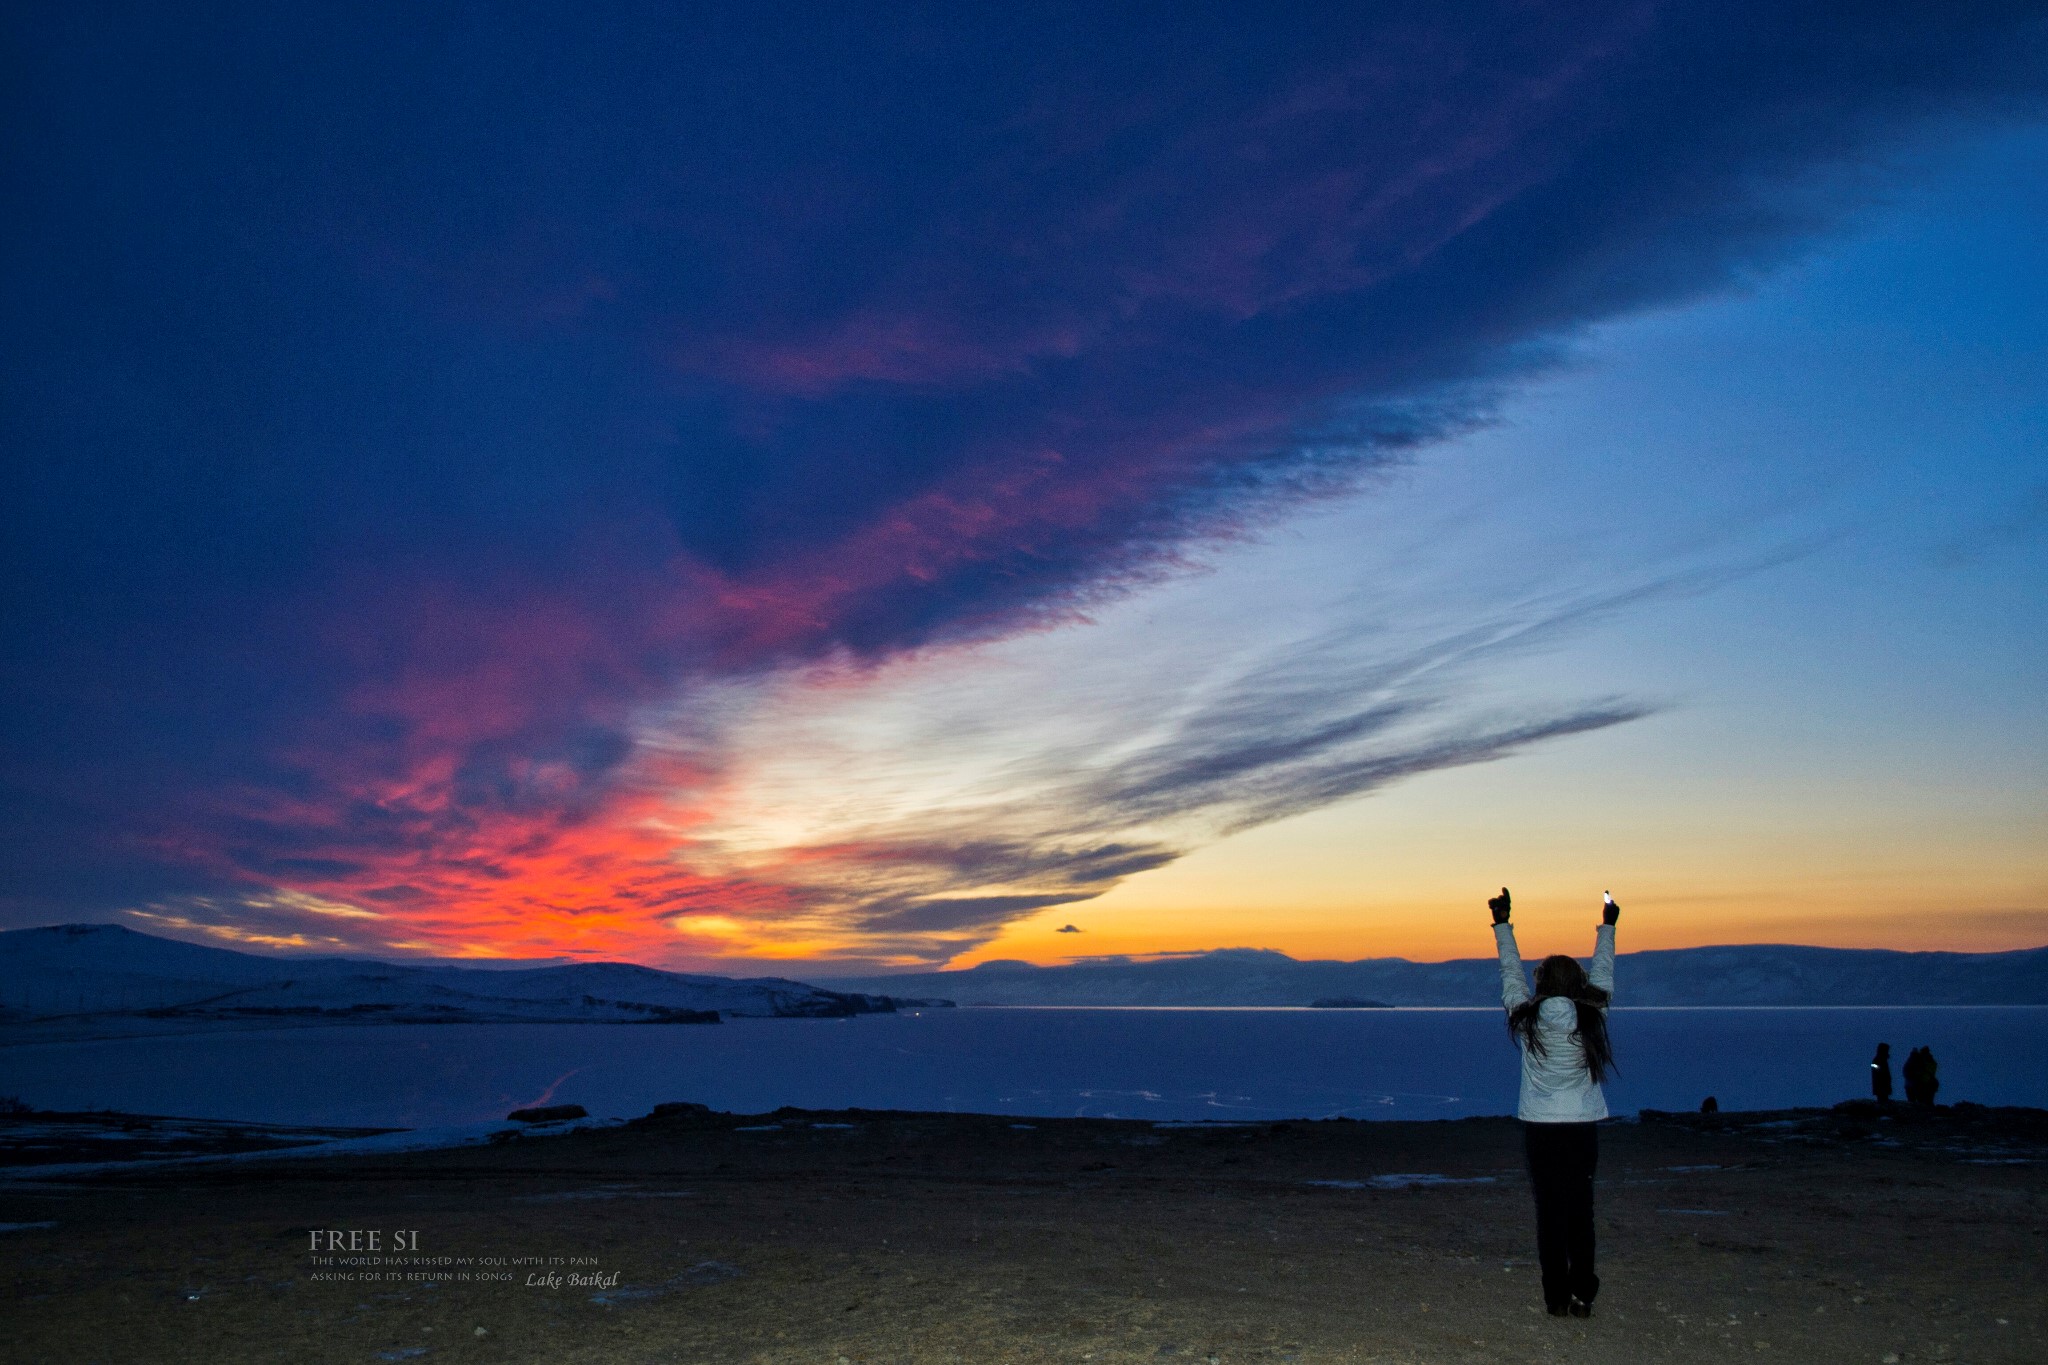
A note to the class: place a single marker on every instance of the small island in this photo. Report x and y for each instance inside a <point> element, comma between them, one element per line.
<point>1347,1002</point>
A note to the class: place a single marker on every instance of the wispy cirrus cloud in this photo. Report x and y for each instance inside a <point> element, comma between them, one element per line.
<point>918,809</point>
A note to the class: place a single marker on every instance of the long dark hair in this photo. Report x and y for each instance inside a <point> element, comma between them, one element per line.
<point>1562,976</point>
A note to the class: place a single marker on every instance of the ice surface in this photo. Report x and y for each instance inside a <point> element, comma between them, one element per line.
<point>1204,1068</point>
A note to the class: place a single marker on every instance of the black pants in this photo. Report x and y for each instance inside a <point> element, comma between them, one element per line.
<point>1561,1161</point>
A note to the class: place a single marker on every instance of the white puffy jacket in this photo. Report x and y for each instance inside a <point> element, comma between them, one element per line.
<point>1556,1087</point>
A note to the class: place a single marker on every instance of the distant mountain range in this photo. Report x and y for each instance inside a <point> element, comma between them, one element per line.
<point>1750,974</point>
<point>79,972</point>
<point>82,971</point>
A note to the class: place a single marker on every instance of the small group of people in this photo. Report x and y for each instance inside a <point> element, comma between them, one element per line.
<point>1921,1073</point>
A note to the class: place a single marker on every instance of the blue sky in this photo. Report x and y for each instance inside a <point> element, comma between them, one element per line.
<point>1819,500</point>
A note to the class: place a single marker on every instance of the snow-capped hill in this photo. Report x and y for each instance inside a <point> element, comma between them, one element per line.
<point>113,948</point>
<point>85,970</point>
<point>400,999</point>
<point>628,981</point>
<point>79,969</point>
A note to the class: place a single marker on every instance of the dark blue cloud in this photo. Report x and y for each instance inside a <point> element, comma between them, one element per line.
<point>395,396</point>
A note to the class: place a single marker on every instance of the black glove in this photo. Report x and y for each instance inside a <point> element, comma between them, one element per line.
<point>1610,912</point>
<point>1500,906</point>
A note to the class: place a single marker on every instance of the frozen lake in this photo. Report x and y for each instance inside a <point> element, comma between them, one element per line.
<point>1139,1063</point>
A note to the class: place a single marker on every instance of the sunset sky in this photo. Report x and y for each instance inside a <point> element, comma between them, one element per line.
<point>820,488</point>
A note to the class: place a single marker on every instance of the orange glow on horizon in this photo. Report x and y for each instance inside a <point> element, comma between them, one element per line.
<point>394,853</point>
<point>1439,935</point>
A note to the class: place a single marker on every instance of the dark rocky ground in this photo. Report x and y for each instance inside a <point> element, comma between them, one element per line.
<point>1843,1235</point>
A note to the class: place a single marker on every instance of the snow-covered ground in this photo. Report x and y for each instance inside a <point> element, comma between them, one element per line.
<point>289,1146</point>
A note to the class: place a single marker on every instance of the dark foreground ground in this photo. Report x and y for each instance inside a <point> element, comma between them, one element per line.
<point>869,1237</point>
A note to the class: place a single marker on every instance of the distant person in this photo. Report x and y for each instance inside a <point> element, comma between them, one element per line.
<point>1922,1076</point>
<point>1881,1074</point>
<point>1562,1034</point>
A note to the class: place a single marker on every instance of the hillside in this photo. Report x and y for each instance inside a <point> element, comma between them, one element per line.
<point>78,971</point>
<point>1748,974</point>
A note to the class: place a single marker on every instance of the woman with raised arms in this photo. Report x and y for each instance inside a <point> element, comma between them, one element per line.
<point>1561,1031</point>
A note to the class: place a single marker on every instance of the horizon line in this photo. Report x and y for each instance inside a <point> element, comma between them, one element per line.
<point>1108,959</point>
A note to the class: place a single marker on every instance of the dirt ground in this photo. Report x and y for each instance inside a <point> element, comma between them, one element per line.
<point>859,1238</point>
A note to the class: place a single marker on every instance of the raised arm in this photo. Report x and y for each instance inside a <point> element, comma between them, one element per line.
<point>1601,973</point>
<point>1514,982</point>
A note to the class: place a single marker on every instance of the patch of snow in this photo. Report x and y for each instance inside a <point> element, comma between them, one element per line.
<point>1410,1181</point>
<point>704,1272</point>
<point>380,1144</point>
<point>606,1192</point>
<point>1404,1180</point>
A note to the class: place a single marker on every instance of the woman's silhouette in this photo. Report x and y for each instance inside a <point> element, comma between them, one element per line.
<point>1562,1034</point>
